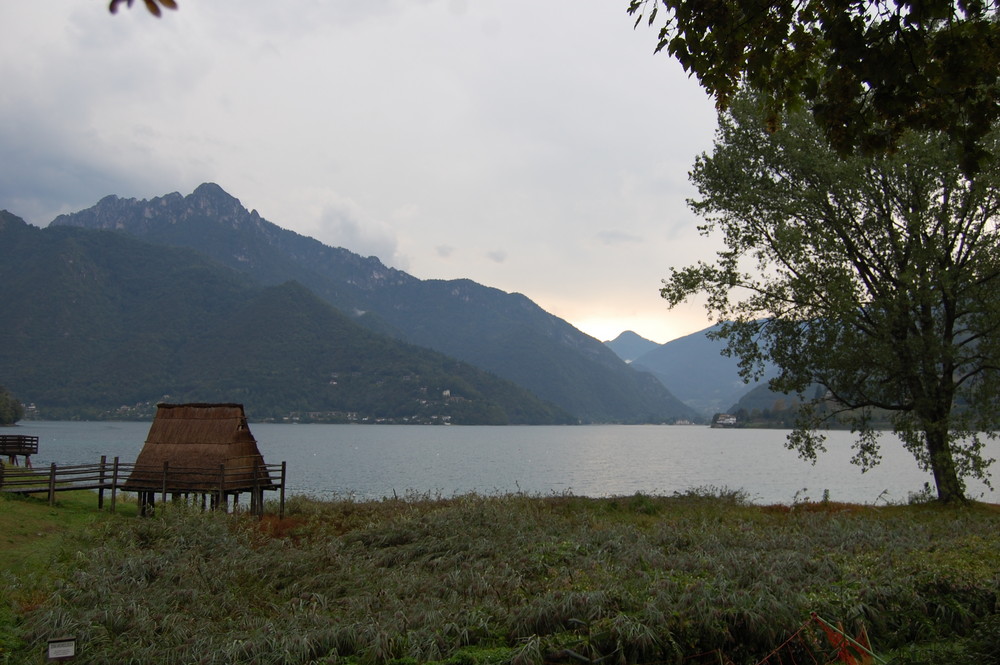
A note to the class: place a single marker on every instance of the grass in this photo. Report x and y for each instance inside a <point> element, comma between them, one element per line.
<point>31,531</point>
<point>501,579</point>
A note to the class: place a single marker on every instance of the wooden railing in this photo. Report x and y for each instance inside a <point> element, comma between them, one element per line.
<point>13,445</point>
<point>168,481</point>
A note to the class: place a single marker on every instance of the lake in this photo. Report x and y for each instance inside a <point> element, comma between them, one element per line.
<point>375,461</point>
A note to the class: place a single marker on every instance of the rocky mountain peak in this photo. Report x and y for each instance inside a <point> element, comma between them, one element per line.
<point>10,220</point>
<point>212,190</point>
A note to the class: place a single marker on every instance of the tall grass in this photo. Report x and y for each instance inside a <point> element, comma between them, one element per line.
<point>474,579</point>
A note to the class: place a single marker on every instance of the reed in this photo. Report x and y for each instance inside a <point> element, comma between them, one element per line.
<point>514,579</point>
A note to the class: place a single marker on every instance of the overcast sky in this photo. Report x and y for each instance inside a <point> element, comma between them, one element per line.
<point>536,147</point>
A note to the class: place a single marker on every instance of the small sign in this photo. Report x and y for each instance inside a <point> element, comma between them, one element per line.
<point>62,648</point>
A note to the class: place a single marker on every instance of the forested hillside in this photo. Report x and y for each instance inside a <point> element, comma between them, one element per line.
<point>98,323</point>
<point>505,334</point>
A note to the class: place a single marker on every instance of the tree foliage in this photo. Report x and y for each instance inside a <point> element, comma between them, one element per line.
<point>153,6</point>
<point>11,409</point>
<point>867,69</point>
<point>874,276</point>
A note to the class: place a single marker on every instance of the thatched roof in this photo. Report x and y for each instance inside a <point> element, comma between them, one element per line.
<point>197,442</point>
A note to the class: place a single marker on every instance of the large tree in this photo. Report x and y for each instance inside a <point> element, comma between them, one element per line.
<point>867,69</point>
<point>876,277</point>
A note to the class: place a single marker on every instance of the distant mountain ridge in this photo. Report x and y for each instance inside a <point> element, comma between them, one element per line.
<point>694,369</point>
<point>506,334</point>
<point>630,345</point>
<point>98,323</point>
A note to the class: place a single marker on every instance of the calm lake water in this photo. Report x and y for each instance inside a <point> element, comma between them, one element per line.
<point>372,461</point>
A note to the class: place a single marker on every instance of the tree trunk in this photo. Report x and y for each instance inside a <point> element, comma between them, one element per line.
<point>950,488</point>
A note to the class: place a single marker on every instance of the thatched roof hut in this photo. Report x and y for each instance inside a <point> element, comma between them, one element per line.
<point>199,448</point>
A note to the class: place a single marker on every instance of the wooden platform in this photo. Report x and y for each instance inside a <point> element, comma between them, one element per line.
<point>220,483</point>
<point>13,445</point>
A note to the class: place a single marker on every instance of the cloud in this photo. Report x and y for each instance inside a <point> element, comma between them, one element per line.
<point>614,237</point>
<point>428,133</point>
<point>342,225</point>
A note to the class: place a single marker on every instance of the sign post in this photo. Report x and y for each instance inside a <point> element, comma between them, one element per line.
<point>62,648</point>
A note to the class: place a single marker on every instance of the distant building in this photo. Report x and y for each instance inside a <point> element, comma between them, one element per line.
<point>724,420</point>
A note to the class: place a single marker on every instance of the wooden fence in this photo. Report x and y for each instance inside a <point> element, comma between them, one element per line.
<point>217,484</point>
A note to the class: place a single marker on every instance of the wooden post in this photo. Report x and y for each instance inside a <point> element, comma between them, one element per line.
<point>100,482</point>
<point>114,484</point>
<point>281,510</point>
<point>2,467</point>
<point>166,468</point>
<point>222,489</point>
<point>52,484</point>
<point>255,499</point>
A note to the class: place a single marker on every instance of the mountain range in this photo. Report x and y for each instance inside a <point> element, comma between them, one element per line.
<point>696,370</point>
<point>199,298</point>
<point>97,323</point>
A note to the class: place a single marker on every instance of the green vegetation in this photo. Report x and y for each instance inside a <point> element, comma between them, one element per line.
<point>762,407</point>
<point>33,535</point>
<point>508,579</point>
<point>105,320</point>
<point>505,334</point>
<point>153,6</point>
<point>867,71</point>
<point>873,277</point>
<point>33,532</point>
<point>11,409</point>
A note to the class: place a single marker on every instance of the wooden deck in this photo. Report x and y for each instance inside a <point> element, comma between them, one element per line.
<point>219,484</point>
<point>13,445</point>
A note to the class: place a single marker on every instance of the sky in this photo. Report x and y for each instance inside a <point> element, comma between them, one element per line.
<point>535,147</point>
